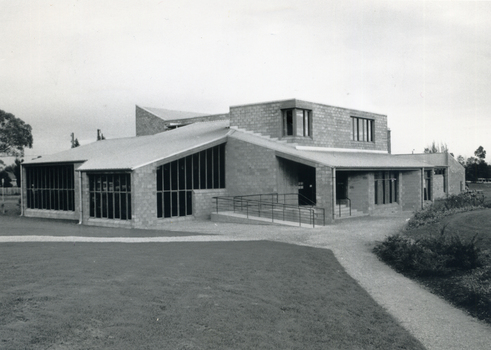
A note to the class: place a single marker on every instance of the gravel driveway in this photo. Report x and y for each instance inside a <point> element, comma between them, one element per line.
<point>433,321</point>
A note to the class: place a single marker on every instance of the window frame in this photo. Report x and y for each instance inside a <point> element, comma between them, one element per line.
<point>50,187</point>
<point>386,187</point>
<point>202,170</point>
<point>296,122</point>
<point>362,129</point>
<point>110,196</point>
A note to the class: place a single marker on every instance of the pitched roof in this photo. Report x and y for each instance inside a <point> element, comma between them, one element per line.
<point>134,152</point>
<point>337,159</point>
<point>168,114</point>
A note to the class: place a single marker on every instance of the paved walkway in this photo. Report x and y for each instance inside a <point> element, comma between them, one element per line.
<point>433,321</point>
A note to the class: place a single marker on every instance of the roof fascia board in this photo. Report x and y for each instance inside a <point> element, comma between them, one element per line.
<point>331,149</point>
<point>105,171</point>
<point>55,163</point>
<point>184,153</point>
<point>296,159</point>
<point>381,168</point>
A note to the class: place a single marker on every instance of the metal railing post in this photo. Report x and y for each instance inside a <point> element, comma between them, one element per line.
<point>300,217</point>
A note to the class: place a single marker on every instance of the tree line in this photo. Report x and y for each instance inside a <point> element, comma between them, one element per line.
<point>475,167</point>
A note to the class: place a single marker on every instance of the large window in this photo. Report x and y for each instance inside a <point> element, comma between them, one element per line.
<point>428,185</point>
<point>362,129</point>
<point>50,187</point>
<point>110,196</point>
<point>297,122</point>
<point>386,187</point>
<point>177,179</point>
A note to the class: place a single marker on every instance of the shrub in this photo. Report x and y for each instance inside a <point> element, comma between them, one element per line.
<point>444,207</point>
<point>472,291</point>
<point>437,255</point>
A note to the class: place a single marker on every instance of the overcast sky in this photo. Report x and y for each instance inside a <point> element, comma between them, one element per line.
<point>78,66</point>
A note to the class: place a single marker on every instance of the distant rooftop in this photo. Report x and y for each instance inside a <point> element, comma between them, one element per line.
<point>169,115</point>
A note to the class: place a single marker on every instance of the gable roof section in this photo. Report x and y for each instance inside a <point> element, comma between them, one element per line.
<point>171,115</point>
<point>134,152</point>
<point>339,160</point>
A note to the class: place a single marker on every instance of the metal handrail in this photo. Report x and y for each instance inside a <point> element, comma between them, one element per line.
<point>349,205</point>
<point>270,209</point>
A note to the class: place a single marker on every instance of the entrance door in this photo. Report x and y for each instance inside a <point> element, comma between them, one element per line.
<point>306,185</point>
<point>341,185</point>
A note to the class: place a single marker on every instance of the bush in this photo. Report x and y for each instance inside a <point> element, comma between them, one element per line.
<point>444,207</point>
<point>437,255</point>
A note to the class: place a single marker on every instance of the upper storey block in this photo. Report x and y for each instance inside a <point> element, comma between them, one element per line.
<point>313,124</point>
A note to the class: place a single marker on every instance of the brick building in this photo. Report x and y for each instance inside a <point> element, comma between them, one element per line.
<point>291,154</point>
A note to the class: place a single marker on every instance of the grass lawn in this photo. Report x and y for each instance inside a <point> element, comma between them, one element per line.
<point>486,190</point>
<point>222,295</point>
<point>9,205</point>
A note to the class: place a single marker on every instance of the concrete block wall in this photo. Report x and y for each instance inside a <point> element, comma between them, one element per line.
<point>358,191</point>
<point>324,191</point>
<point>147,123</point>
<point>411,187</point>
<point>203,203</point>
<point>456,176</point>
<point>438,190</point>
<point>144,196</point>
<point>331,126</point>
<point>250,169</point>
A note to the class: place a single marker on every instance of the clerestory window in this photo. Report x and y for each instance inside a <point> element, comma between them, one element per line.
<point>297,122</point>
<point>362,129</point>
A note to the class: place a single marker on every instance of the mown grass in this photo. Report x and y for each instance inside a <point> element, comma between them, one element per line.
<point>221,295</point>
<point>449,252</point>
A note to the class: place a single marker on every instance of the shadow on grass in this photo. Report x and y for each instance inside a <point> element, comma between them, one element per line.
<point>221,295</point>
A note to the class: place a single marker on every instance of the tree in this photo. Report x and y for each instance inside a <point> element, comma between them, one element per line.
<point>6,179</point>
<point>436,148</point>
<point>461,160</point>
<point>15,169</point>
<point>75,142</point>
<point>15,135</point>
<point>480,153</point>
<point>100,135</point>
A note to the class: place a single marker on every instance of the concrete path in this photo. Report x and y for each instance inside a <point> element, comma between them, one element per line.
<point>433,321</point>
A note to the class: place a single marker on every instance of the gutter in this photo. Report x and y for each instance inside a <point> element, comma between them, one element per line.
<point>81,211</point>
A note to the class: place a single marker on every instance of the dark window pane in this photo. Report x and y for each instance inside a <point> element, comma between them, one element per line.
<point>182,173</point>
<point>98,205</point>
<point>174,203</point>
<point>189,172</point>
<point>117,205</point>
<point>92,206</point>
<point>159,178</point>
<point>104,204</point>
<point>182,203</point>
<point>129,205</point>
<point>209,168</point>
<point>166,175</point>
<point>167,205</point>
<point>196,171</point>
<point>216,167</point>
<point>117,183</point>
<point>202,169</point>
<point>110,206</point>
<point>222,166</point>
<point>173,176</point>
<point>123,207</point>
<point>189,202</point>
<point>159,205</point>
